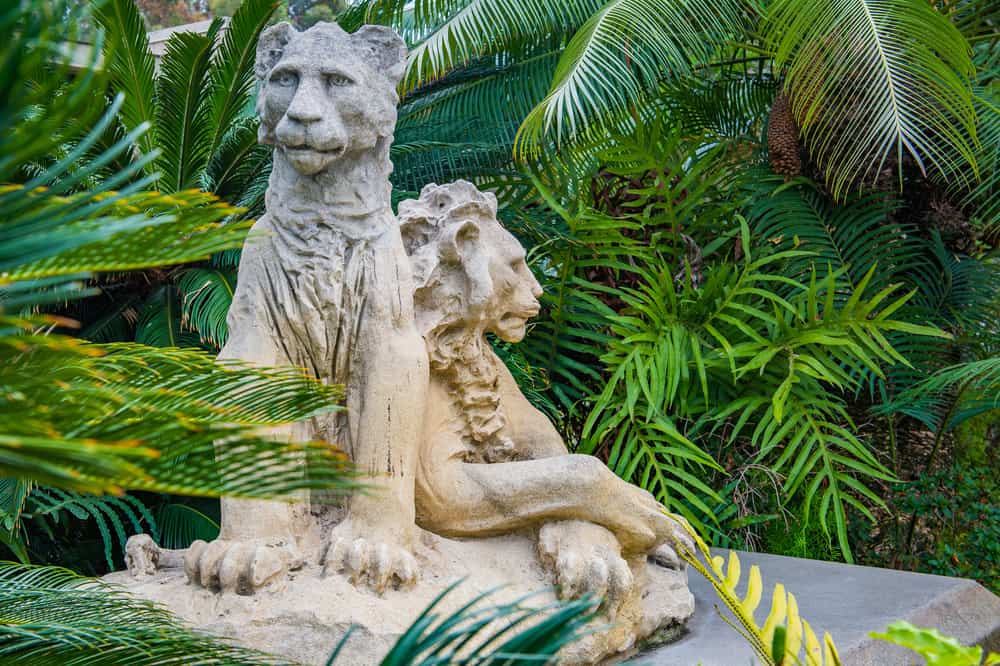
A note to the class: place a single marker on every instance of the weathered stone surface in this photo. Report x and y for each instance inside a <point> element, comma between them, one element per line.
<point>848,601</point>
<point>303,616</point>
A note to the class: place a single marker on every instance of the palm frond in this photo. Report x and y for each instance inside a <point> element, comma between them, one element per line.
<point>851,237</point>
<point>129,414</point>
<point>183,115</point>
<point>52,616</point>
<point>624,49</point>
<point>206,295</point>
<point>130,64</point>
<point>728,105</point>
<point>517,633</point>
<point>237,164</point>
<point>498,89</point>
<point>874,82</point>
<point>446,34</point>
<point>231,76</point>
<point>951,395</point>
<point>182,524</point>
<point>112,233</point>
<point>160,321</point>
<point>116,517</point>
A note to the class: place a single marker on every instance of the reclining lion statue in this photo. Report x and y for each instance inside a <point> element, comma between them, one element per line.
<point>489,462</point>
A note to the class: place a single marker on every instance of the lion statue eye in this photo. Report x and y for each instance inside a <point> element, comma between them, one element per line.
<point>285,79</point>
<point>338,81</point>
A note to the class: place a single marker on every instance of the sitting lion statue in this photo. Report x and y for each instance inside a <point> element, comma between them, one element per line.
<point>490,462</point>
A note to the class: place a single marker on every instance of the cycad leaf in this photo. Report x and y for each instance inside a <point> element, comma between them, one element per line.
<point>446,34</point>
<point>160,321</point>
<point>130,62</point>
<point>622,52</point>
<point>872,81</point>
<point>206,295</point>
<point>52,616</point>
<point>183,113</point>
<point>231,76</point>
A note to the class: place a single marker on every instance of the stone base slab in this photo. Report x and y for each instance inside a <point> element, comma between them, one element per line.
<point>305,617</point>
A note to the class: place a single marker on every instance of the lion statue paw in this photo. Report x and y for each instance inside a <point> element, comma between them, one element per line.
<point>369,561</point>
<point>240,566</point>
<point>586,559</point>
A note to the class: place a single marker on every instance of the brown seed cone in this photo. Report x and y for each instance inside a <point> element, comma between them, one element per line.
<point>783,139</point>
<point>956,231</point>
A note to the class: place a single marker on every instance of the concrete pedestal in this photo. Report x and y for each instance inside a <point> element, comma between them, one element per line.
<point>849,602</point>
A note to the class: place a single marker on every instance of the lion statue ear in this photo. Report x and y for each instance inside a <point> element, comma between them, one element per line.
<point>461,245</point>
<point>388,50</point>
<point>270,47</point>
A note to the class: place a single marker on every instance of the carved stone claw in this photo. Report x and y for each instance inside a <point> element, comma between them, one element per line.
<point>367,562</point>
<point>586,559</point>
<point>665,556</point>
<point>144,558</point>
<point>239,566</point>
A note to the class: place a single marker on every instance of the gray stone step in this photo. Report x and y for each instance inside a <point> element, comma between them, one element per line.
<point>849,602</point>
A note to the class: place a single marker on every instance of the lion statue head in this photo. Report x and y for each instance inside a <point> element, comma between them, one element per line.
<point>471,279</point>
<point>326,94</point>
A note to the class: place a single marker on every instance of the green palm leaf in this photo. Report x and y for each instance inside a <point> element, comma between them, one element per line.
<point>851,237</point>
<point>52,616</point>
<point>231,76</point>
<point>130,64</point>
<point>143,229</point>
<point>181,524</point>
<point>623,50</point>
<point>447,34</point>
<point>874,81</point>
<point>207,294</point>
<point>183,115</point>
<point>160,321</point>
<point>128,415</point>
<point>237,164</point>
<point>518,633</point>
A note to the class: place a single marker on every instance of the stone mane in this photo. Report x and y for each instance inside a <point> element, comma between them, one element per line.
<point>454,308</point>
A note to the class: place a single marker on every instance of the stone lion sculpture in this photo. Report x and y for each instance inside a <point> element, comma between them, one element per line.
<point>489,462</point>
<point>324,284</point>
<point>398,310</point>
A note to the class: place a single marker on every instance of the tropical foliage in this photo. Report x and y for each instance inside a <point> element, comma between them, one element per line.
<point>90,418</point>
<point>767,234</point>
<point>936,649</point>
<point>53,616</point>
<point>744,344</point>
